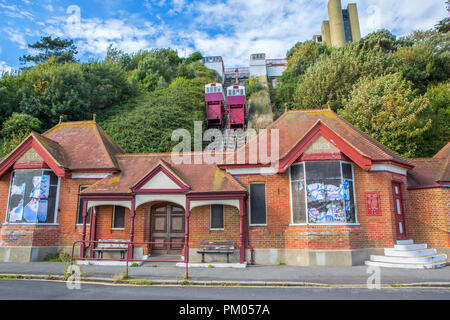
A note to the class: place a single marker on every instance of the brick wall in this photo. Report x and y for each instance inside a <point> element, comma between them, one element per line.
<point>372,231</point>
<point>428,219</point>
<point>426,213</point>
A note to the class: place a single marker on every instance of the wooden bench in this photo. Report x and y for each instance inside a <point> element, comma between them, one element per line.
<point>111,247</point>
<point>215,247</point>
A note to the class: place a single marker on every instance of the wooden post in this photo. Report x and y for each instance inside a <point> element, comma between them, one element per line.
<point>186,236</point>
<point>83,237</point>
<point>242,239</point>
<point>93,235</point>
<point>132,215</point>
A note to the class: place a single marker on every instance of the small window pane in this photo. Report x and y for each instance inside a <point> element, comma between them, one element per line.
<point>347,171</point>
<point>297,172</point>
<point>80,209</point>
<point>216,217</point>
<point>119,217</point>
<point>258,203</point>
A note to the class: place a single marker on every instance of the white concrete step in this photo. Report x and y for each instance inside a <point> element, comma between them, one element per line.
<point>391,252</point>
<point>427,259</point>
<point>407,265</point>
<point>409,241</point>
<point>417,246</point>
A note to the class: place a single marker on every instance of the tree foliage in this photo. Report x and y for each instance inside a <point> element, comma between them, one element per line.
<point>62,50</point>
<point>387,108</point>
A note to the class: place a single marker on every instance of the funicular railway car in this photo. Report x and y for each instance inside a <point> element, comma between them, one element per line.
<point>215,102</point>
<point>236,107</point>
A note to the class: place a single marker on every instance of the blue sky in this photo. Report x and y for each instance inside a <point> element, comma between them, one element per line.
<point>231,28</point>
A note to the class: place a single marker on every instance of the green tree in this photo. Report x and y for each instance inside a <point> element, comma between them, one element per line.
<point>62,50</point>
<point>388,109</point>
<point>444,25</point>
<point>439,111</point>
<point>20,123</point>
<point>332,77</point>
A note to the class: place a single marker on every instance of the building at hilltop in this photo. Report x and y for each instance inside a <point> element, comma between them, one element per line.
<point>342,25</point>
<point>259,66</point>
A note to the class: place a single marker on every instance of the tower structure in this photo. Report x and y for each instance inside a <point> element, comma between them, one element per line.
<point>342,25</point>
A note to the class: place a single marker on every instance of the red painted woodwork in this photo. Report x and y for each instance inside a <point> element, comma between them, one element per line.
<point>399,211</point>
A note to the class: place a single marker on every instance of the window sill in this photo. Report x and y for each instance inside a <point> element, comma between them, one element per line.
<point>81,225</point>
<point>216,229</point>
<point>117,229</point>
<point>258,225</point>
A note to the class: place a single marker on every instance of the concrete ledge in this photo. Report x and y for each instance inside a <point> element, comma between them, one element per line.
<point>213,265</point>
<point>134,282</point>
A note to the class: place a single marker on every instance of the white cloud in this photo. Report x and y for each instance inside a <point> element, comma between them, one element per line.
<point>4,68</point>
<point>94,35</point>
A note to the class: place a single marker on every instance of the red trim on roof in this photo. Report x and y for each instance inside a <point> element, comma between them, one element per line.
<point>318,156</point>
<point>26,145</point>
<point>322,130</point>
<point>31,165</point>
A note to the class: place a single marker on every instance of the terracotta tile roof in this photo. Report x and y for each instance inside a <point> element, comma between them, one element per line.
<point>430,172</point>
<point>293,126</point>
<point>86,145</point>
<point>55,150</point>
<point>199,177</point>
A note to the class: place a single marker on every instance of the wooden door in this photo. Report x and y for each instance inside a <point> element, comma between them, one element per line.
<point>399,211</point>
<point>167,225</point>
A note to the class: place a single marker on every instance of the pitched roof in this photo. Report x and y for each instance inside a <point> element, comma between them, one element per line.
<point>295,126</point>
<point>97,150</point>
<point>52,153</point>
<point>430,172</point>
<point>199,177</point>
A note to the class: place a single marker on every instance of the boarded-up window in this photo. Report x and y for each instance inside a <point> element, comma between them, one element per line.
<point>322,193</point>
<point>119,217</point>
<point>32,196</point>
<point>217,216</point>
<point>258,203</point>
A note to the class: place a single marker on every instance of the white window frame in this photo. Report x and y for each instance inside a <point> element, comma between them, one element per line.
<point>55,221</point>
<point>250,205</point>
<point>114,217</point>
<point>356,223</point>
<point>210,218</point>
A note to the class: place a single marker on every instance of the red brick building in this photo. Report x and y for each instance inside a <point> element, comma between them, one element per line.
<point>332,196</point>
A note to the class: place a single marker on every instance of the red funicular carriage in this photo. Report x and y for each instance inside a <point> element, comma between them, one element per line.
<point>214,100</point>
<point>236,107</point>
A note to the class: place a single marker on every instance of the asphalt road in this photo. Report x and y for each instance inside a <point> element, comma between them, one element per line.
<point>48,290</point>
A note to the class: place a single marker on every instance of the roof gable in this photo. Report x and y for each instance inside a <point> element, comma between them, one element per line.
<point>49,151</point>
<point>321,132</point>
<point>294,131</point>
<point>161,179</point>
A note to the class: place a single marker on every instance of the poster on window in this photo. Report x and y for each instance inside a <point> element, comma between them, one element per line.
<point>16,213</point>
<point>41,187</point>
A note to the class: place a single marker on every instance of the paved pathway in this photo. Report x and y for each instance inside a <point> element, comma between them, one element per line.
<point>166,271</point>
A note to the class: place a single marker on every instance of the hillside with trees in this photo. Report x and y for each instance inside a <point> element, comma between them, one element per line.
<point>396,90</point>
<point>154,92</point>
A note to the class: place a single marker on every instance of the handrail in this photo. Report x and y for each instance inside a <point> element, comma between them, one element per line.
<point>131,244</point>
